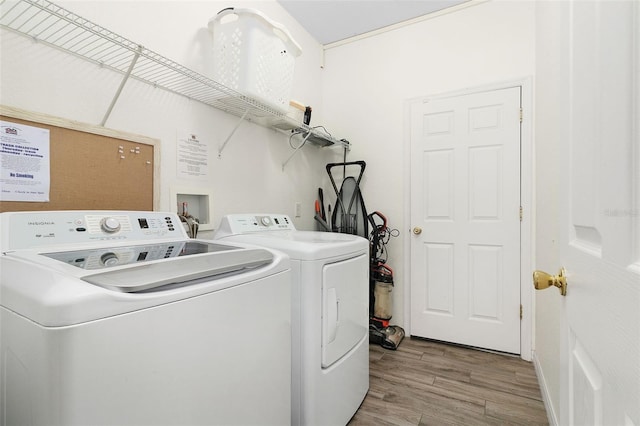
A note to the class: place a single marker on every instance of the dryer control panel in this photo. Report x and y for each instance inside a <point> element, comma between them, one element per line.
<point>235,224</point>
<point>43,229</point>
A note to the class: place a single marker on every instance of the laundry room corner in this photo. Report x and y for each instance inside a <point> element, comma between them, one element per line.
<point>480,49</point>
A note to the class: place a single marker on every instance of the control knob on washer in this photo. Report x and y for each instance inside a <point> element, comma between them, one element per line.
<point>110,225</point>
<point>109,259</point>
<point>266,221</point>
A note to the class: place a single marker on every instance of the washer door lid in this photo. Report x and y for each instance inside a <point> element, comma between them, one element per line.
<point>154,276</point>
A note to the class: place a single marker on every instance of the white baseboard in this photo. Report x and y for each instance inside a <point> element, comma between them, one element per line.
<point>546,398</point>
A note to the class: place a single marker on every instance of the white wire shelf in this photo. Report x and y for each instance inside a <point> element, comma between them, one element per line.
<point>49,24</point>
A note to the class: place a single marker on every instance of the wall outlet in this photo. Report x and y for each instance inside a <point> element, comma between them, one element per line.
<point>298,209</point>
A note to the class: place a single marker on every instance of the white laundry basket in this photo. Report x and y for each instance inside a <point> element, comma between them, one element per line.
<point>254,55</point>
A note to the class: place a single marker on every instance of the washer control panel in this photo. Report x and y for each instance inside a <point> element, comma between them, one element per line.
<point>40,229</point>
<point>106,257</point>
<point>234,224</point>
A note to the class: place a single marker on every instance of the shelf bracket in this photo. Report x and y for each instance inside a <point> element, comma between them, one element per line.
<point>296,151</point>
<point>122,83</point>
<point>232,132</point>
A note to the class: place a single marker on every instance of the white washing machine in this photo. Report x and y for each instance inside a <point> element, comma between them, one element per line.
<point>330,314</point>
<point>117,318</point>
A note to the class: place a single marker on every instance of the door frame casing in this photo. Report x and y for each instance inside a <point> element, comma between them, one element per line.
<point>527,191</point>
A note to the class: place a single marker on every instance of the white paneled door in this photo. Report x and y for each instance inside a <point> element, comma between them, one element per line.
<point>465,219</point>
<point>600,216</point>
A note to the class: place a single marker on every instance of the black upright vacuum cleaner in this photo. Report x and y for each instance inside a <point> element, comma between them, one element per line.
<point>350,217</point>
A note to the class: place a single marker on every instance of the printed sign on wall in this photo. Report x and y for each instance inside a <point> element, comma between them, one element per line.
<point>193,157</point>
<point>24,163</point>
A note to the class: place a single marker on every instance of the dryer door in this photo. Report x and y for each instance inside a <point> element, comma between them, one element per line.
<point>345,307</point>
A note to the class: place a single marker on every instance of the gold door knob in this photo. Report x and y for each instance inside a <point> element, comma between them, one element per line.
<point>542,280</point>
<point>417,230</point>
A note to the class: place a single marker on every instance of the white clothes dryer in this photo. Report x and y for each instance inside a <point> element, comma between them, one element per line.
<point>330,313</point>
<point>117,318</point>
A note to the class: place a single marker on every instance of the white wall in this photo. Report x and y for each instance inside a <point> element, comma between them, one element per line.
<point>249,176</point>
<point>552,112</point>
<point>367,82</point>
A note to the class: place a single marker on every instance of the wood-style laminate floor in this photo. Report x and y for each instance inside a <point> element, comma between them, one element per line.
<point>431,383</point>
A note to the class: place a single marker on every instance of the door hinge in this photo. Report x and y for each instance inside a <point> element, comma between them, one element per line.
<point>520,311</point>
<point>521,213</point>
<point>521,115</point>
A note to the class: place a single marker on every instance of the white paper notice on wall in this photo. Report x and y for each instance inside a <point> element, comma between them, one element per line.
<point>25,173</point>
<point>192,156</point>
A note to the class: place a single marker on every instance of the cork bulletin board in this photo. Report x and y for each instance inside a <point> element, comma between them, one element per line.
<point>91,167</point>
